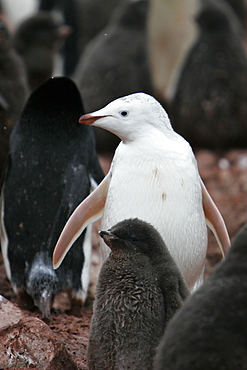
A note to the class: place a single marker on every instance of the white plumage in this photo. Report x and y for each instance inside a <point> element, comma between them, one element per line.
<point>153,177</point>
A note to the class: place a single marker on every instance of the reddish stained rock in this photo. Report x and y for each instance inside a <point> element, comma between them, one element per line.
<point>31,343</point>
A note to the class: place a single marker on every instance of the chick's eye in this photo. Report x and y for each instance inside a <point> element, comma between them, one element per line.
<point>124,113</point>
<point>134,239</point>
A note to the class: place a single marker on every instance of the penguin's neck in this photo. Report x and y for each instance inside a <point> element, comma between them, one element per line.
<point>161,145</point>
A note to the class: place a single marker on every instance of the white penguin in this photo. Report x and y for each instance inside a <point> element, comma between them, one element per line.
<point>153,177</point>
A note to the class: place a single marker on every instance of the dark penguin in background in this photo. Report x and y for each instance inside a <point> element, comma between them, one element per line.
<point>209,108</point>
<point>115,63</point>
<point>210,330</point>
<point>36,40</point>
<point>68,12</point>
<point>13,90</point>
<point>86,19</point>
<point>138,291</point>
<point>92,17</point>
<point>52,166</point>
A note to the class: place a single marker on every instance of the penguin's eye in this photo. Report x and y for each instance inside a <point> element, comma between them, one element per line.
<point>124,113</point>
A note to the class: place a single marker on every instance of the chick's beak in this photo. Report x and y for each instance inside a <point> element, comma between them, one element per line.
<point>107,236</point>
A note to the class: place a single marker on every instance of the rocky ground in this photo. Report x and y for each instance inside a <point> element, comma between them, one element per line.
<point>65,336</point>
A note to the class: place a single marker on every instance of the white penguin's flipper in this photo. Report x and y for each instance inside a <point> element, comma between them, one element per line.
<point>88,211</point>
<point>215,221</point>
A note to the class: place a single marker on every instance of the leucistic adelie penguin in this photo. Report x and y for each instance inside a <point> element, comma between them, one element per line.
<point>209,332</point>
<point>153,177</point>
<point>52,167</point>
<point>138,291</point>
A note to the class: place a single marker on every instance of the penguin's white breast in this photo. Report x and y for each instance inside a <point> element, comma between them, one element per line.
<point>165,191</point>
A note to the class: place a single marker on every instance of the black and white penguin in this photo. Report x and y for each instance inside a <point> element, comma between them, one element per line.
<point>210,103</point>
<point>138,291</point>
<point>210,330</point>
<point>52,167</point>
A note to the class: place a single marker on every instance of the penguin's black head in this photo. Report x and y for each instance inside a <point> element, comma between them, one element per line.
<point>43,289</point>
<point>134,236</point>
<point>41,28</point>
<point>42,283</point>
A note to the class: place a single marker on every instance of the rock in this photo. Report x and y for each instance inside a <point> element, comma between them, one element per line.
<point>9,313</point>
<point>30,342</point>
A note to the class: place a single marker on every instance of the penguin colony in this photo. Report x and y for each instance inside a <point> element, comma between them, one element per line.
<point>35,144</point>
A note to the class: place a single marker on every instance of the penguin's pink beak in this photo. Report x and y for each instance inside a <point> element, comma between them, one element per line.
<point>89,119</point>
